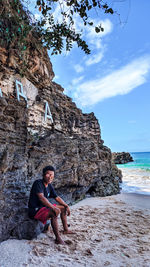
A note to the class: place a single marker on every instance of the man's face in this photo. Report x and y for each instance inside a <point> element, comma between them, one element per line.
<point>48,177</point>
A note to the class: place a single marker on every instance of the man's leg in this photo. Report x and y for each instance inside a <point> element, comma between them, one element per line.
<point>46,213</point>
<point>63,216</point>
<point>54,224</point>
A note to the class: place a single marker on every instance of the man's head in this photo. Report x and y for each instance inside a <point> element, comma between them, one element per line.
<point>48,174</point>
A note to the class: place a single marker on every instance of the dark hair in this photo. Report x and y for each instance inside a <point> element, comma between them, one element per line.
<point>48,168</point>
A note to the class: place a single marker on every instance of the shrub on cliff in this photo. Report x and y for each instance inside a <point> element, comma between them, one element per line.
<point>17,23</point>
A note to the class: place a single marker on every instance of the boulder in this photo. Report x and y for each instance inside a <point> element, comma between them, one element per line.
<point>121,157</point>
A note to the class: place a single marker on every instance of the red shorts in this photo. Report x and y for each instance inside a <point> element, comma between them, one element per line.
<point>43,214</point>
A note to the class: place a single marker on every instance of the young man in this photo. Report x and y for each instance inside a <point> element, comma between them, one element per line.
<point>41,209</point>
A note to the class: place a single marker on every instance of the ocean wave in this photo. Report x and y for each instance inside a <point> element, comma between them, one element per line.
<point>146,169</point>
<point>136,180</point>
<point>134,166</point>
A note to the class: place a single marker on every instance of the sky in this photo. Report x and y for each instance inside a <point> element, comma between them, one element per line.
<point>114,80</point>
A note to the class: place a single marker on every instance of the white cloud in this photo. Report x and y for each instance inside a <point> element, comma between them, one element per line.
<point>94,59</point>
<point>37,16</point>
<point>57,9</point>
<point>95,40</point>
<point>88,32</point>
<point>56,77</point>
<point>77,80</point>
<point>78,68</point>
<point>119,82</point>
<point>106,24</point>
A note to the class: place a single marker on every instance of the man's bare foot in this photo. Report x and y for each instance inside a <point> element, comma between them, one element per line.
<point>59,241</point>
<point>68,232</point>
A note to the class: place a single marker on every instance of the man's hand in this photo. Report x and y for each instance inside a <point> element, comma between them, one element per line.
<point>57,211</point>
<point>61,202</point>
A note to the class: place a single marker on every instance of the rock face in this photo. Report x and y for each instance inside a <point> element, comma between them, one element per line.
<point>121,157</point>
<point>71,142</point>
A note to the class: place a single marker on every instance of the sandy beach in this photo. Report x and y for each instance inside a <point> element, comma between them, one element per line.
<point>110,231</point>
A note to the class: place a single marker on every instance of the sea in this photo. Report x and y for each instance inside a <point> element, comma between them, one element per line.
<point>136,174</point>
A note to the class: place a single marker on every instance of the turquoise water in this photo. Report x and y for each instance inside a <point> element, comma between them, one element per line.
<point>141,161</point>
<point>136,175</point>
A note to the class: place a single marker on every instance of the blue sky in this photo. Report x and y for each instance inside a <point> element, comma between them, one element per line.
<point>114,81</point>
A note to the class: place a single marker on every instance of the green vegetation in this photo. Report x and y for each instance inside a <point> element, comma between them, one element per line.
<point>17,24</point>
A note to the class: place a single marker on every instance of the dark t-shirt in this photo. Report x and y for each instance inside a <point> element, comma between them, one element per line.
<point>34,202</point>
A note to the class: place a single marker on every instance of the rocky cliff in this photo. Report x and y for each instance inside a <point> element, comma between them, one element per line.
<point>69,140</point>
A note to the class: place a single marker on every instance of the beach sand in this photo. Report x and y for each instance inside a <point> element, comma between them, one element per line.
<point>110,231</point>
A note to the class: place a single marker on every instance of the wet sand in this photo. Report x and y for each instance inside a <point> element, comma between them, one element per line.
<point>110,231</point>
<point>139,201</point>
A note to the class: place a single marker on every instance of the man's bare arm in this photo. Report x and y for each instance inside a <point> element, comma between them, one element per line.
<point>46,203</point>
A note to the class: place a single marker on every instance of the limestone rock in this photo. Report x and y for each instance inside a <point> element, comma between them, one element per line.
<point>71,143</point>
<point>116,172</point>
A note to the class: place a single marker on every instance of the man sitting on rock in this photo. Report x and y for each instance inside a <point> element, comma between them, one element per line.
<point>41,209</point>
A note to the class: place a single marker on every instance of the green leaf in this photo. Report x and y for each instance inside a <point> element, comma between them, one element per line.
<point>38,2</point>
<point>97,29</point>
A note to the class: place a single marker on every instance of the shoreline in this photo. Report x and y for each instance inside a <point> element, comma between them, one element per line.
<point>109,231</point>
